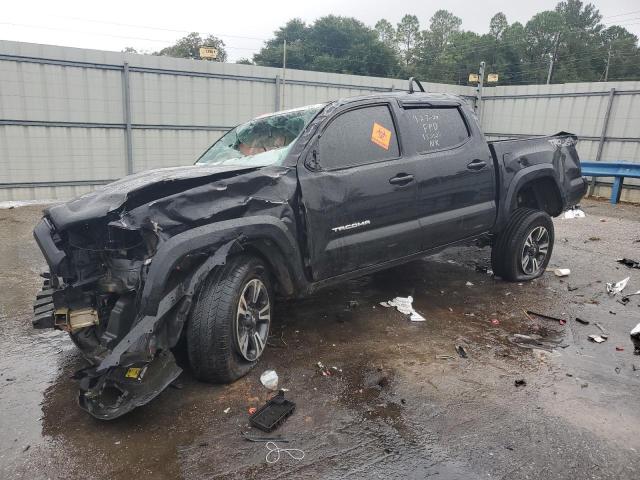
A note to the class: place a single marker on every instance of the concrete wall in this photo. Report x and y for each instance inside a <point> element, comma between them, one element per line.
<point>72,118</point>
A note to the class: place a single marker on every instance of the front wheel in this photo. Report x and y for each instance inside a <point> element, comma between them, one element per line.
<point>229,323</point>
<point>523,249</point>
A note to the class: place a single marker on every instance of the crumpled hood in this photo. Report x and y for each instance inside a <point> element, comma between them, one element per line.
<point>139,188</point>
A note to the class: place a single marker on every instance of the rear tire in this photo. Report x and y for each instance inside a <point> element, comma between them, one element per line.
<point>229,323</point>
<point>523,249</point>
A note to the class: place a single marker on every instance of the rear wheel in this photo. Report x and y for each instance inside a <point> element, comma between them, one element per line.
<point>523,249</point>
<point>229,323</point>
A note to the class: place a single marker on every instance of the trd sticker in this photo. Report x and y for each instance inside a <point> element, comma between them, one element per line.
<point>341,228</point>
<point>381,136</point>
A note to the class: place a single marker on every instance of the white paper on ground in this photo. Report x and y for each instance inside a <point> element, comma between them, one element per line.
<point>617,287</point>
<point>405,306</point>
<point>574,213</point>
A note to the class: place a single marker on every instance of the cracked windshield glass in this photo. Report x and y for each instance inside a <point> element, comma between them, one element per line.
<point>265,140</point>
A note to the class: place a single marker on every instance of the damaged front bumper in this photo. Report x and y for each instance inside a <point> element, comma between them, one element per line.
<point>129,351</point>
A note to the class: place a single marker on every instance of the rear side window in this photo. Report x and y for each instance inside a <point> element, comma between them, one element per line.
<point>437,128</point>
<point>358,137</point>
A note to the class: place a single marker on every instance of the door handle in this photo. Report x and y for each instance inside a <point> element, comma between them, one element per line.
<point>401,179</point>
<point>477,165</point>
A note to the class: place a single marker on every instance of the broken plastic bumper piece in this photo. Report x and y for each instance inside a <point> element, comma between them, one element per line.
<point>109,395</point>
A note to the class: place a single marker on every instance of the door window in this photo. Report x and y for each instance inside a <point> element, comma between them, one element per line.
<point>357,137</point>
<point>437,128</point>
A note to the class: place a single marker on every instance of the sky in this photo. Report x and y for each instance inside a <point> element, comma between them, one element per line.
<point>244,26</point>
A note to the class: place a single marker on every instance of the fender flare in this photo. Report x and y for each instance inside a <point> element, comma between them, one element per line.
<point>211,237</point>
<point>522,177</point>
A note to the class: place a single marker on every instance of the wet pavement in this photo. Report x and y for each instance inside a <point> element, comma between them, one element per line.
<point>400,403</point>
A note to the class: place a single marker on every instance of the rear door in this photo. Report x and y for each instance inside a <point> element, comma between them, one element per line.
<point>358,193</point>
<point>454,172</point>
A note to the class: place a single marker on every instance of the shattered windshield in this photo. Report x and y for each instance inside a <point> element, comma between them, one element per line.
<point>262,141</point>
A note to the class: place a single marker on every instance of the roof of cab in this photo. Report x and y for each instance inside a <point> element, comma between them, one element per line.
<point>406,98</point>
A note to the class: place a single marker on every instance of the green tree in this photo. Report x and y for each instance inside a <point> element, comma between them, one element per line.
<point>189,47</point>
<point>498,25</point>
<point>386,33</point>
<point>408,36</point>
<point>332,44</point>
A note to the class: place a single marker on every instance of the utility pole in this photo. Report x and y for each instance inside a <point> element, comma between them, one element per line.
<point>479,89</point>
<point>606,70</point>
<point>553,58</point>
<point>284,69</point>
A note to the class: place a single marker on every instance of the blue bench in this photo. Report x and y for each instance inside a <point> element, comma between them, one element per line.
<point>617,170</point>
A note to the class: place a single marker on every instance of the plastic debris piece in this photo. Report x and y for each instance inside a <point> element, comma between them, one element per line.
<point>562,272</point>
<point>521,382</point>
<point>405,306</point>
<point>619,349</point>
<point>635,338</point>
<point>461,351</point>
<point>629,262</point>
<point>574,213</point>
<point>582,321</point>
<point>562,322</point>
<point>469,284</point>
<point>252,410</point>
<point>273,413</point>
<point>326,372</point>
<point>269,379</point>
<point>597,338</point>
<point>615,288</point>
<point>495,321</point>
<point>227,410</point>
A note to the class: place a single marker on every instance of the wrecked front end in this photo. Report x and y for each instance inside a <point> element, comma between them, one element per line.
<point>91,292</point>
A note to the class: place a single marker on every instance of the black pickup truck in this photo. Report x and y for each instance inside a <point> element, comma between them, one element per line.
<point>281,206</point>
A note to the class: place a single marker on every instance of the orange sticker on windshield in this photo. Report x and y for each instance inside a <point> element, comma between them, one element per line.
<point>381,136</point>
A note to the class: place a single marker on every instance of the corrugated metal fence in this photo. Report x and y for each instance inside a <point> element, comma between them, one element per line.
<point>72,118</point>
<point>605,116</point>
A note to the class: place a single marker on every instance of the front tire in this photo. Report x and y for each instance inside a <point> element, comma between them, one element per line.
<point>523,249</point>
<point>229,323</point>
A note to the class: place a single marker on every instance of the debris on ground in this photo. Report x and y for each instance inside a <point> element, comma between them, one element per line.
<point>598,338</point>
<point>574,213</point>
<point>626,299</point>
<point>251,438</point>
<point>484,269</point>
<point>325,371</point>
<point>521,382</point>
<point>601,328</point>
<point>582,321</point>
<point>561,321</point>
<point>461,351</point>
<point>252,410</point>
<point>535,341</point>
<point>619,349</point>
<point>562,272</point>
<point>273,413</point>
<point>469,284</point>
<point>405,306</point>
<point>444,356</point>
<point>629,262</point>
<point>227,410</point>
<point>269,379</point>
<point>635,338</point>
<point>495,321</point>
<point>273,453</point>
<point>594,239</point>
<point>615,288</point>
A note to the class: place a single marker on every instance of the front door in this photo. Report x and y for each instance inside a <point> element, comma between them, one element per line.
<point>360,197</point>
